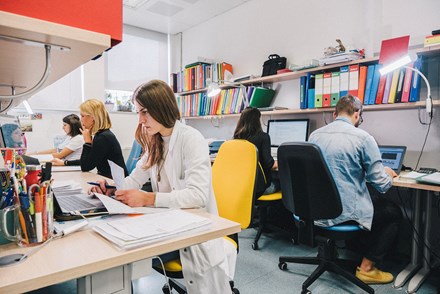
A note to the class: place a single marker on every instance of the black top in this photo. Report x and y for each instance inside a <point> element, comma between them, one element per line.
<point>262,142</point>
<point>105,147</point>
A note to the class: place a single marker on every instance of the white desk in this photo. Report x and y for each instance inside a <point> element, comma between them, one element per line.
<point>85,252</point>
<point>417,270</point>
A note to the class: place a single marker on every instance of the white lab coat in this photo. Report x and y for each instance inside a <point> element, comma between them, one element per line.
<point>188,167</point>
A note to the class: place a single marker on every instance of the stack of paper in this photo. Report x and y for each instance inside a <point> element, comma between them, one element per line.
<point>141,230</point>
<point>340,57</point>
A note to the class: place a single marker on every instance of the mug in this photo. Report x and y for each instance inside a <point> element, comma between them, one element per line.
<point>8,223</point>
<point>30,227</point>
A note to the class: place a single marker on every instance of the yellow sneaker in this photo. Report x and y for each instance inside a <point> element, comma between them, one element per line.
<point>375,276</point>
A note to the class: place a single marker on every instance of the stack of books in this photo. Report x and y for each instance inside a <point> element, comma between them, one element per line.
<point>432,40</point>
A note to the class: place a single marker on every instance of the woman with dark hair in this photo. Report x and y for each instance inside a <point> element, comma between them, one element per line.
<point>176,159</point>
<point>13,136</point>
<point>249,128</point>
<point>71,147</point>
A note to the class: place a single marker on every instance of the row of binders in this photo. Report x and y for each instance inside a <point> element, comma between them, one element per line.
<point>363,81</point>
<point>196,75</point>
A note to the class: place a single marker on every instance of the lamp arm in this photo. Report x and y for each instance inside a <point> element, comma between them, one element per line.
<point>37,85</point>
<point>428,86</point>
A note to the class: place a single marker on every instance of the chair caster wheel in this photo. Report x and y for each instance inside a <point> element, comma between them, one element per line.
<point>166,289</point>
<point>255,246</point>
<point>282,266</point>
<point>306,291</point>
<point>294,241</point>
<point>235,291</point>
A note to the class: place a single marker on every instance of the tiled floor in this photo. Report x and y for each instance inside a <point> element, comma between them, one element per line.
<point>258,272</point>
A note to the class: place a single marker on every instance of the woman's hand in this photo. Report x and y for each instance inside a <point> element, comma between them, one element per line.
<point>86,135</point>
<point>57,161</point>
<point>101,189</point>
<point>136,198</point>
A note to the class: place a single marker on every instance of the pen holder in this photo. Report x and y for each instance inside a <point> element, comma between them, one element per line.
<point>32,220</point>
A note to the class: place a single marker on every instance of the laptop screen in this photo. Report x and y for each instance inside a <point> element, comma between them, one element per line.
<point>392,156</point>
<point>287,130</point>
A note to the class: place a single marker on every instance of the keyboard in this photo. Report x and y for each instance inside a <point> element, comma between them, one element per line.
<point>427,170</point>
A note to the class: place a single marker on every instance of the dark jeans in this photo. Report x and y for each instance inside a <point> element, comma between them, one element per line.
<point>376,243</point>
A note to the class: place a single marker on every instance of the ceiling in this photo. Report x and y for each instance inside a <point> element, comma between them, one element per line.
<point>174,16</point>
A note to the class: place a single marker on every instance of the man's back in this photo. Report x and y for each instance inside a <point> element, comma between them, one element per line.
<point>353,158</point>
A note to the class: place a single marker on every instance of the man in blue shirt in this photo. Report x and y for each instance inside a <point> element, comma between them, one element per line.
<point>353,158</point>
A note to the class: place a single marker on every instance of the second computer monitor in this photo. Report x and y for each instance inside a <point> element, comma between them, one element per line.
<point>287,130</point>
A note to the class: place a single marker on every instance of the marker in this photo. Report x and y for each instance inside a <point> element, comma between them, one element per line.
<point>106,185</point>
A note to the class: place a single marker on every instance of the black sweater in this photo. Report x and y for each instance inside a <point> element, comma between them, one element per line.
<point>262,142</point>
<point>105,147</point>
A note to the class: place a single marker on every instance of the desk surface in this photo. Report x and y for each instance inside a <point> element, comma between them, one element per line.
<point>86,252</point>
<point>408,183</point>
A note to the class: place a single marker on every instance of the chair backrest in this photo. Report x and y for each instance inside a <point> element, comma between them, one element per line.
<point>133,157</point>
<point>308,187</point>
<point>234,177</point>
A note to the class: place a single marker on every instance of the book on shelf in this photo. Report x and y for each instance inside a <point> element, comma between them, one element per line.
<point>399,89</point>
<point>363,69</point>
<point>261,97</point>
<point>353,79</point>
<point>368,83</point>
<point>318,90</point>
<point>414,94</point>
<point>326,89</point>
<point>343,81</point>
<point>432,40</point>
<point>374,84</point>
<point>381,89</point>
<point>407,84</point>
<point>302,92</point>
<point>386,92</point>
<point>393,87</point>
<point>334,88</point>
<point>310,84</point>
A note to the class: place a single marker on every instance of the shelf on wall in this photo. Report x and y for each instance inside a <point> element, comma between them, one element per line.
<point>23,65</point>
<point>427,51</point>
<point>376,107</point>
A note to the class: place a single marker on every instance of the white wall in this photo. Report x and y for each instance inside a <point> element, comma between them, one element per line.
<point>300,30</point>
<point>65,95</point>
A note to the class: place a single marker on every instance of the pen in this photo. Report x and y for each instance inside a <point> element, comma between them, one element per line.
<point>106,185</point>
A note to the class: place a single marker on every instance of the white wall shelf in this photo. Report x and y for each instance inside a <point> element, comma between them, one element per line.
<point>23,65</point>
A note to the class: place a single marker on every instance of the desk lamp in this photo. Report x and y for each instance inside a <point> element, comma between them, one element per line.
<point>402,62</point>
<point>214,89</point>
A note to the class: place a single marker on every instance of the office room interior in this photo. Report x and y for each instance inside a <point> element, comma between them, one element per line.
<point>244,33</point>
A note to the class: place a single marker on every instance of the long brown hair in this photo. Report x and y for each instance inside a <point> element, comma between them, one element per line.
<point>158,98</point>
<point>249,124</point>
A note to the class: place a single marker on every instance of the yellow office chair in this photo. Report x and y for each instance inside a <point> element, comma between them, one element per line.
<point>233,178</point>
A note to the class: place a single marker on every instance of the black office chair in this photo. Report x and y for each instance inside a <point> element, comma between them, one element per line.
<point>310,193</point>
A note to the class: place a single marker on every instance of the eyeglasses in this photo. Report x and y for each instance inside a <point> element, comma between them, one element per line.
<point>361,119</point>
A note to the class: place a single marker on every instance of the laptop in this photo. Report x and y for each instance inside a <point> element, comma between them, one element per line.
<point>392,156</point>
<point>69,199</point>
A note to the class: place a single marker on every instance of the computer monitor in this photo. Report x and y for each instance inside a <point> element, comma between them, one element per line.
<point>11,135</point>
<point>287,130</point>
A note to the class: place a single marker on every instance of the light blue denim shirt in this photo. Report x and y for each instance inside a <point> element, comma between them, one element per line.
<point>353,158</point>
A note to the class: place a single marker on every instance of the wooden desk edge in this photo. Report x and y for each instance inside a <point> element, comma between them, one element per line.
<point>27,276</point>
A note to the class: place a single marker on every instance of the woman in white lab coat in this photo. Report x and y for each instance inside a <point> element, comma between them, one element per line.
<point>176,159</point>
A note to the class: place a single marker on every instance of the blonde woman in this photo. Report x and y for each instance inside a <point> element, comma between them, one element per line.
<point>100,144</point>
